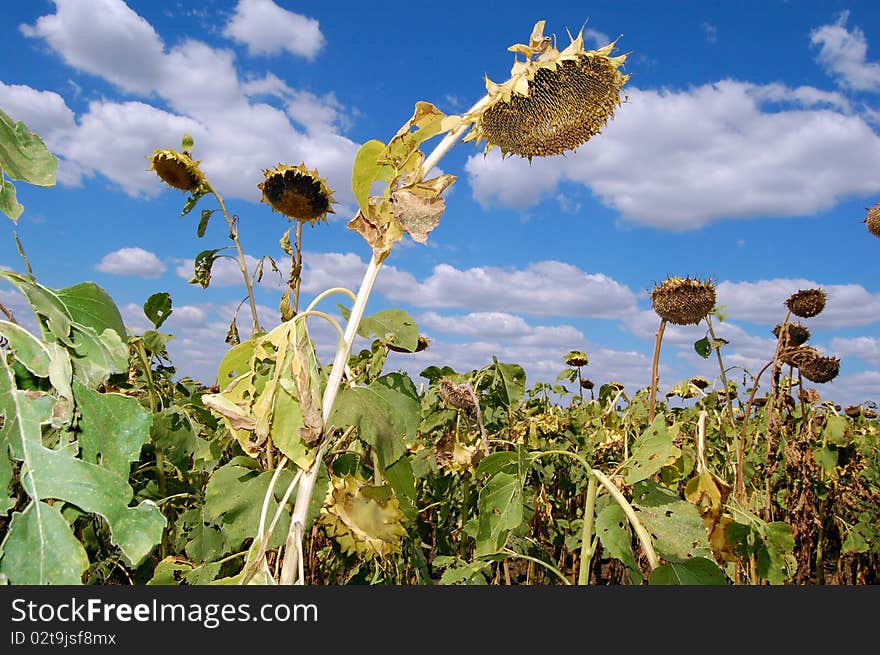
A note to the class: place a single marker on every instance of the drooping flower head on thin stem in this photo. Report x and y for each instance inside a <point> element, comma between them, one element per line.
<point>178,169</point>
<point>297,192</point>
<point>806,303</point>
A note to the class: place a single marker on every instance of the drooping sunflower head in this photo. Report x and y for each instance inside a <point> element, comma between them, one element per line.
<point>577,358</point>
<point>806,303</point>
<point>792,334</point>
<point>820,369</point>
<point>297,192</point>
<point>872,220</point>
<point>799,354</point>
<point>554,101</point>
<point>177,169</point>
<point>683,301</point>
<point>456,395</point>
<point>699,382</point>
<point>365,519</point>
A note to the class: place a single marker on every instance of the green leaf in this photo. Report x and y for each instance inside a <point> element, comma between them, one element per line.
<point>695,571</point>
<point>172,431</point>
<point>837,431</point>
<point>677,529</point>
<point>23,155</point>
<point>509,382</point>
<point>367,170</point>
<point>9,204</point>
<point>703,347</point>
<point>826,457</point>
<point>495,462</point>
<point>386,412</point>
<point>393,326</point>
<point>40,549</point>
<point>612,527</point>
<point>89,305</point>
<point>650,452</point>
<point>500,509</point>
<point>27,349</point>
<point>234,498</point>
<point>58,475</point>
<point>775,560</point>
<point>203,223</point>
<point>158,308</point>
<point>113,429</point>
<point>50,312</point>
<point>400,476</point>
<point>202,266</point>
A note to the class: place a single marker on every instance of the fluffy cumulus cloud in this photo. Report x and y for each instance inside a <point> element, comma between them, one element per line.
<point>843,53</point>
<point>267,29</point>
<point>847,305</point>
<point>866,348</point>
<point>132,261</point>
<point>679,159</point>
<point>188,88</point>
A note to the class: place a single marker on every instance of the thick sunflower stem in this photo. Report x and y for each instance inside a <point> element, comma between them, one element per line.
<point>293,567</point>
<point>655,376</point>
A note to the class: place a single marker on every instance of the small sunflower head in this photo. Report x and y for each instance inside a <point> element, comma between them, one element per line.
<point>699,382</point>
<point>587,384</point>
<point>809,396</point>
<point>456,395</point>
<point>554,101</point>
<point>806,303</point>
<point>297,192</point>
<point>177,170</point>
<point>577,358</point>
<point>794,335</point>
<point>365,519</point>
<point>820,369</point>
<point>872,220</point>
<point>683,301</point>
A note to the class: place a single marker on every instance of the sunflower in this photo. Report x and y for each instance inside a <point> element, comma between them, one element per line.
<point>554,101</point>
<point>297,192</point>
<point>365,519</point>
<point>177,169</point>
<point>683,301</point>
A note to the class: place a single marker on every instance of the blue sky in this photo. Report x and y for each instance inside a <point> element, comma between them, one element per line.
<point>748,151</point>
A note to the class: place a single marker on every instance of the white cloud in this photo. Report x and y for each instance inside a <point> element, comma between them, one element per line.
<point>44,112</point>
<point>542,288</point>
<point>104,38</point>
<point>267,29</point>
<point>847,305</point>
<point>204,97</point>
<point>132,261</point>
<point>866,348</point>
<point>682,159</point>
<point>843,54</point>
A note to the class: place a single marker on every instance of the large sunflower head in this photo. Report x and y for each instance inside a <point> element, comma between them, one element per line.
<point>806,303</point>
<point>297,192</point>
<point>554,101</point>
<point>177,169</point>
<point>872,220</point>
<point>820,369</point>
<point>683,301</point>
<point>365,519</point>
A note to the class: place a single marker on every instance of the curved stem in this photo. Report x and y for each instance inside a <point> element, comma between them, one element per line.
<point>655,376</point>
<point>721,366</point>
<point>328,292</point>
<point>242,262</point>
<point>617,495</point>
<point>292,555</point>
<point>549,567</point>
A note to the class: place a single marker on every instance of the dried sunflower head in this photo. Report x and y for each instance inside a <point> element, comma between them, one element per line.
<point>365,519</point>
<point>577,358</point>
<point>809,396</point>
<point>587,384</point>
<point>820,369</point>
<point>177,170</point>
<point>806,303</point>
<point>872,220</point>
<point>795,334</point>
<point>796,356</point>
<point>554,101</point>
<point>297,192</point>
<point>699,382</point>
<point>455,395</point>
<point>683,301</point>
<point>453,456</point>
